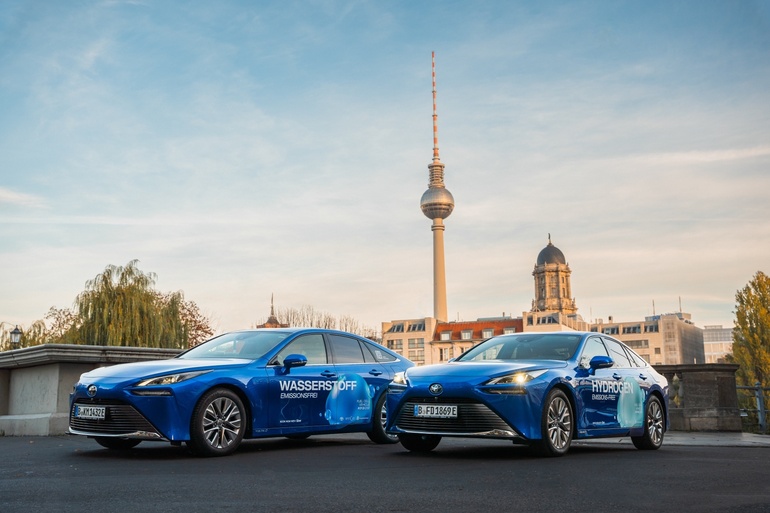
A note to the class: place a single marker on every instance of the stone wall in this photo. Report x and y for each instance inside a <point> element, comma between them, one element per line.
<point>702,397</point>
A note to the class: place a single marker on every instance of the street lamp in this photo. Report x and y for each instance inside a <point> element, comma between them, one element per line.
<point>15,337</point>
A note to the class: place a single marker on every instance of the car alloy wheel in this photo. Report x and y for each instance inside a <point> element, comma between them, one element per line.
<point>380,414</point>
<point>217,424</point>
<point>556,425</point>
<point>652,438</point>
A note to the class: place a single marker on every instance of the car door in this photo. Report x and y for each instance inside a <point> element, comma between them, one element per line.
<point>298,396</point>
<point>636,386</point>
<point>361,380</point>
<point>598,391</point>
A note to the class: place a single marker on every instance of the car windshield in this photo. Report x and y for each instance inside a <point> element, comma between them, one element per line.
<point>536,346</point>
<point>249,345</point>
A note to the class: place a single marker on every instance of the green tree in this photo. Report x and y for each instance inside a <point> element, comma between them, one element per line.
<point>751,337</point>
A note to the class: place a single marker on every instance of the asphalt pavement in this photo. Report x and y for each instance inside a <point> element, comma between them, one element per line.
<point>692,472</point>
<point>715,439</point>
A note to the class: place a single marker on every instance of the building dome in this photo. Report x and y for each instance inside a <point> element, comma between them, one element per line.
<point>437,203</point>
<point>551,255</point>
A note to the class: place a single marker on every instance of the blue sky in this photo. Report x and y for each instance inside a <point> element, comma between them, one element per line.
<point>240,149</point>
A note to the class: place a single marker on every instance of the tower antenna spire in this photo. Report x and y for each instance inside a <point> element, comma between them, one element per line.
<point>435,113</point>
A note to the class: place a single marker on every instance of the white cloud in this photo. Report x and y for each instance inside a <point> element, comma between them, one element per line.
<point>20,199</point>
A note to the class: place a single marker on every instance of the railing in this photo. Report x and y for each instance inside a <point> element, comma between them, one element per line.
<point>747,413</point>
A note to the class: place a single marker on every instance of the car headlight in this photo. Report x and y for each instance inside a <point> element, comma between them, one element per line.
<point>399,380</point>
<point>170,379</point>
<point>517,378</point>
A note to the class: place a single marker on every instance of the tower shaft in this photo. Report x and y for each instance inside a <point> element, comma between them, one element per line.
<point>439,271</point>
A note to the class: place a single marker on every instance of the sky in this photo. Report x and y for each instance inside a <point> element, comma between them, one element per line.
<point>243,149</point>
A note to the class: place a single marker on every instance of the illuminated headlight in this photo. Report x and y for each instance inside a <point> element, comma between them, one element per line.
<point>398,385</point>
<point>399,378</point>
<point>517,378</point>
<point>170,379</point>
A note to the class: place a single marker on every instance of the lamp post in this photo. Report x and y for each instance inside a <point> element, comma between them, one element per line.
<point>15,337</point>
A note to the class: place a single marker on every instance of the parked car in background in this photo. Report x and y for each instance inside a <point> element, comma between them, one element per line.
<point>292,382</point>
<point>540,389</point>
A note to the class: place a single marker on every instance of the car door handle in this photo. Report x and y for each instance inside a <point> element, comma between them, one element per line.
<point>642,376</point>
<point>616,376</point>
<point>328,374</point>
<point>375,372</point>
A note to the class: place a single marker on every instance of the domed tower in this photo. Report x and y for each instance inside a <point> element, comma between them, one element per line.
<point>437,204</point>
<point>553,290</point>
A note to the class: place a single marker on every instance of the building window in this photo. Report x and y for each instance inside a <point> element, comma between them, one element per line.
<point>417,327</point>
<point>612,330</point>
<point>657,350</point>
<point>396,345</point>
<point>466,334</point>
<point>416,343</point>
<point>508,331</point>
<point>417,355</point>
<point>487,333</point>
<point>396,328</point>
<point>446,335</point>
<point>632,329</point>
<point>445,354</point>
<point>638,344</point>
<point>651,328</point>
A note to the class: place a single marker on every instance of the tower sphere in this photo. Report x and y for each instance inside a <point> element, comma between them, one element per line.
<point>437,203</point>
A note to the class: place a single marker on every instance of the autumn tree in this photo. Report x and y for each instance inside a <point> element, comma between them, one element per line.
<point>120,307</point>
<point>751,337</point>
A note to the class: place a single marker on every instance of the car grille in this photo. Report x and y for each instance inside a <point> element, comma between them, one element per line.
<point>122,419</point>
<point>473,418</point>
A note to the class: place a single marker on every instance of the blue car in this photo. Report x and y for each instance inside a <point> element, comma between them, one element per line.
<point>292,382</point>
<point>540,389</point>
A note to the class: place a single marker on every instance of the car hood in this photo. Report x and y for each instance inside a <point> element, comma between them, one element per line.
<point>474,369</point>
<point>160,367</point>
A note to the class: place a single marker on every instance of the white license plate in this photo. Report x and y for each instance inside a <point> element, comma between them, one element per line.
<point>436,411</point>
<point>91,412</point>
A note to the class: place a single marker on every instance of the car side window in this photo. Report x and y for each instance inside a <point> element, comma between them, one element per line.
<point>638,360</point>
<point>593,347</point>
<point>617,353</point>
<point>311,347</point>
<point>346,350</point>
<point>379,354</point>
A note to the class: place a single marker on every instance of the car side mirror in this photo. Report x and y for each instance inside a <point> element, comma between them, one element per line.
<point>601,362</point>
<point>295,360</point>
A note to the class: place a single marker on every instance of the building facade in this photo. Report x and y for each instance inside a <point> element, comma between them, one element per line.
<point>717,343</point>
<point>668,339</point>
<point>410,338</point>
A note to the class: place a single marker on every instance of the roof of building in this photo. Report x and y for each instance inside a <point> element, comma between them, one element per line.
<point>477,327</point>
<point>551,255</point>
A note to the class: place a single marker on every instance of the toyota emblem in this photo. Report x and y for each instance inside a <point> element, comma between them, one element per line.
<point>436,389</point>
<point>91,390</point>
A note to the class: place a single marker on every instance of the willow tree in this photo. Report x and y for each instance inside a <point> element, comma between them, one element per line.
<point>121,308</point>
<point>751,337</point>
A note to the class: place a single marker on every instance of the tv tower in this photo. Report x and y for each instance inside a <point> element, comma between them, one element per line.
<point>437,204</point>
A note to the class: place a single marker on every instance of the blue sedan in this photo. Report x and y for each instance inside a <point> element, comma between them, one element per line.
<point>291,382</point>
<point>540,389</point>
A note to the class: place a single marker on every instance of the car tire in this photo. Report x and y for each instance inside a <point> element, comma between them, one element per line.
<point>218,423</point>
<point>419,443</point>
<point>652,438</point>
<point>117,444</point>
<point>379,419</point>
<point>557,425</point>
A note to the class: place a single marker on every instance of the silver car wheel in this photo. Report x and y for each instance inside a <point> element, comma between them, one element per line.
<point>384,421</point>
<point>222,423</point>
<point>559,423</point>
<point>655,423</point>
